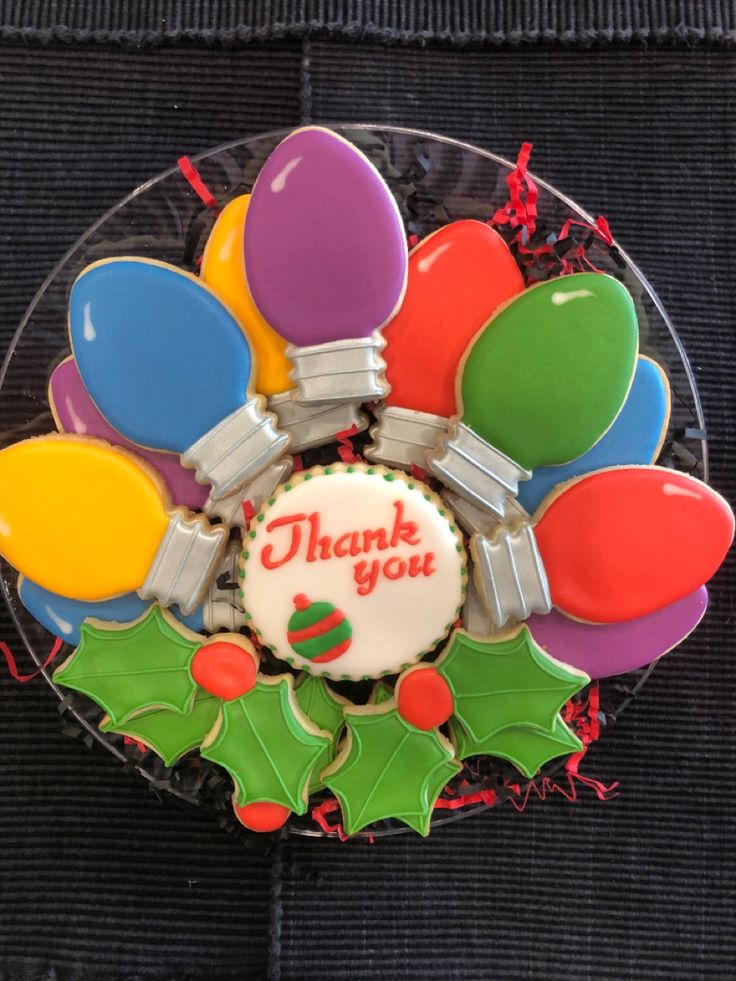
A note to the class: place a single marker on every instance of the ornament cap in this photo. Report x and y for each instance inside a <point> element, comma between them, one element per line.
<point>339,371</point>
<point>185,563</point>
<point>309,426</point>
<point>510,574</point>
<point>475,470</point>
<point>401,437</point>
<point>239,448</point>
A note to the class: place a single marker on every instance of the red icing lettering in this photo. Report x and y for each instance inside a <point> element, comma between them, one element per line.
<point>394,568</point>
<point>379,534</point>
<point>324,543</point>
<point>403,531</point>
<point>421,566</point>
<point>347,544</point>
<point>366,576</point>
<point>296,537</point>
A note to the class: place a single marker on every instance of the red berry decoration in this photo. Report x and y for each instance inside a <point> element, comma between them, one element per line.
<point>262,815</point>
<point>424,698</point>
<point>318,631</point>
<point>225,669</point>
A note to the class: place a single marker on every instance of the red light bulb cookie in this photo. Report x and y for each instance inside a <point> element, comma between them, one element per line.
<point>353,571</point>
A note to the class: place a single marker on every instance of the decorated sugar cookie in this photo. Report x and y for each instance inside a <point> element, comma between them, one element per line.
<point>539,385</point>
<point>169,367</point>
<point>223,270</point>
<point>645,537</point>
<point>108,529</point>
<point>353,571</point>
<point>326,255</point>
<point>458,277</point>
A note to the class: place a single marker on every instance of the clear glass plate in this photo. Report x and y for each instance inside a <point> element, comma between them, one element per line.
<point>435,180</point>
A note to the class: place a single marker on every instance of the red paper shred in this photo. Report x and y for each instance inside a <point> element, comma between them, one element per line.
<point>520,211</point>
<point>129,741</point>
<point>298,463</point>
<point>195,181</point>
<point>419,473</point>
<point>345,448</point>
<point>319,814</point>
<point>412,241</point>
<point>13,666</point>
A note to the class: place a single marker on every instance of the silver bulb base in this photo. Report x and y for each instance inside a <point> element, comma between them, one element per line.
<point>475,618</point>
<point>402,437</point>
<point>310,426</point>
<point>509,574</point>
<point>230,509</point>
<point>474,520</point>
<point>186,562</point>
<point>475,470</point>
<point>221,609</point>
<point>339,371</point>
<point>237,449</point>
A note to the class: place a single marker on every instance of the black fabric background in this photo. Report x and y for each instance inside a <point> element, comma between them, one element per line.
<point>98,879</point>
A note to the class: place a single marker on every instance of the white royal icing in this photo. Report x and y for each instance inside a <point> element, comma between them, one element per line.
<point>400,597</point>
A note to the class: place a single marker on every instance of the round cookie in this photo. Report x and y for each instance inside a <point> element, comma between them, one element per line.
<point>353,571</point>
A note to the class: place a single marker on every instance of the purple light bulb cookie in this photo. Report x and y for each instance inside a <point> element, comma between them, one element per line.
<point>603,650</point>
<point>75,412</point>
<point>326,255</point>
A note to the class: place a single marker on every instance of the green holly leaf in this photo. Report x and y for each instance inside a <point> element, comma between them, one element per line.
<point>388,768</point>
<point>505,681</point>
<point>382,692</point>
<point>527,747</point>
<point>170,734</point>
<point>267,745</point>
<point>135,667</point>
<point>325,708</point>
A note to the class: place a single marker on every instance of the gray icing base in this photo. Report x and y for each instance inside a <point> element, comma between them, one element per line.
<point>339,371</point>
<point>401,437</point>
<point>473,519</point>
<point>230,509</point>
<point>309,426</point>
<point>475,616</point>
<point>221,609</point>
<point>509,574</point>
<point>186,562</point>
<point>475,470</point>
<point>237,449</point>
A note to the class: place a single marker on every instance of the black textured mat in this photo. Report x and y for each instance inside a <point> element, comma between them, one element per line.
<point>97,880</point>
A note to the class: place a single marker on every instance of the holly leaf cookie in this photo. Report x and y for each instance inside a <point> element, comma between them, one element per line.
<point>504,681</point>
<point>325,708</point>
<point>170,734</point>
<point>127,669</point>
<point>389,768</point>
<point>267,745</point>
<point>527,747</point>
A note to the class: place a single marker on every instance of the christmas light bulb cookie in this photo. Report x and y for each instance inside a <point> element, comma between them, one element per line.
<point>353,571</point>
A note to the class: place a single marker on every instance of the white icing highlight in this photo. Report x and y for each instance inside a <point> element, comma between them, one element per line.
<point>4,527</point>
<point>426,262</point>
<point>279,181</point>
<point>80,426</point>
<point>559,299</point>
<point>375,550</point>
<point>65,628</point>
<point>672,490</point>
<point>88,329</point>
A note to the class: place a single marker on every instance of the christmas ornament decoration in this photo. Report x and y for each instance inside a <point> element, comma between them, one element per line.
<point>169,367</point>
<point>223,270</point>
<point>107,528</point>
<point>644,537</point>
<point>318,631</point>
<point>539,386</point>
<point>325,284</point>
<point>458,277</point>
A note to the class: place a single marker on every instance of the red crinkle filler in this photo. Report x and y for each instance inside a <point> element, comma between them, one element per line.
<point>520,211</point>
<point>129,741</point>
<point>345,449</point>
<point>298,463</point>
<point>13,666</point>
<point>196,183</point>
<point>419,473</point>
